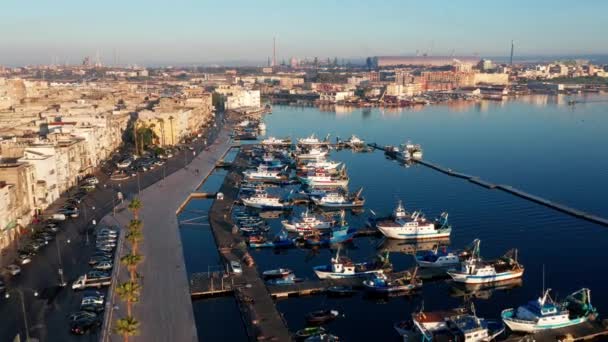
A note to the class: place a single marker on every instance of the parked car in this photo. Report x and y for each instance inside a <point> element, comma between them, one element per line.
<point>93,293</point>
<point>13,269</point>
<point>105,248</point>
<point>105,265</point>
<point>106,243</point>
<point>236,268</point>
<point>94,260</point>
<point>96,308</point>
<point>91,300</point>
<point>23,259</point>
<point>88,187</point>
<point>75,316</point>
<point>85,325</point>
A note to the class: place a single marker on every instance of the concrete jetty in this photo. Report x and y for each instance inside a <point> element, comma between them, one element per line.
<point>509,189</point>
<point>165,306</point>
<point>260,315</point>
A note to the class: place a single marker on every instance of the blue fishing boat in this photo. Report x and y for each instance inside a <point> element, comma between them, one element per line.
<point>282,240</point>
<point>340,234</point>
<point>381,283</point>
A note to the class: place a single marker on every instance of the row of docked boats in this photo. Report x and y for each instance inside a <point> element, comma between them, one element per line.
<point>462,324</point>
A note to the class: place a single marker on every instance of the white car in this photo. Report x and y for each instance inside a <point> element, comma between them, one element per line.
<point>91,301</point>
<point>13,269</point>
<point>236,268</point>
<point>103,266</point>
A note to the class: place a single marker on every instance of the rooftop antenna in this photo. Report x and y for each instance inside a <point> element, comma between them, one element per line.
<point>511,59</point>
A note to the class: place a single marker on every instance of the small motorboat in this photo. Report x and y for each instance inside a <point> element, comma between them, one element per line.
<point>307,332</point>
<point>323,338</point>
<point>381,283</point>
<point>340,291</point>
<point>321,316</point>
<point>277,273</point>
<point>288,280</point>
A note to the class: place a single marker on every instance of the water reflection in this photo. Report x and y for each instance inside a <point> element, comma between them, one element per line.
<point>483,291</point>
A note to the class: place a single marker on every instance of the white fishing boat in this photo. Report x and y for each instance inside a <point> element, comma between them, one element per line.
<point>307,222</point>
<point>440,258</point>
<point>354,141</point>
<point>312,140</point>
<point>426,321</point>
<point>262,200</point>
<point>338,200</point>
<point>546,314</point>
<point>402,225</point>
<point>263,173</point>
<point>312,154</point>
<point>322,178</point>
<point>477,271</point>
<point>415,150</point>
<point>262,126</point>
<point>327,165</point>
<point>272,141</point>
<point>342,267</point>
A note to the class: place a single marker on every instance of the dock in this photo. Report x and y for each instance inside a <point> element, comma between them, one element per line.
<point>509,189</point>
<point>259,313</point>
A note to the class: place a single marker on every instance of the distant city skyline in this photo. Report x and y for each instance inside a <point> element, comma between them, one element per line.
<point>241,32</point>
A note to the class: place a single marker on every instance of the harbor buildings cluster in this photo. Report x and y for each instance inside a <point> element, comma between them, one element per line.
<point>56,131</point>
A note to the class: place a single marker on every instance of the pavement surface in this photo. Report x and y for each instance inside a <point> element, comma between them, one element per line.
<point>46,304</point>
<point>165,306</point>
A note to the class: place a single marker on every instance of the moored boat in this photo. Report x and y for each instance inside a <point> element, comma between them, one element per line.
<point>340,291</point>
<point>262,200</point>
<point>475,270</point>
<point>277,273</point>
<point>403,225</point>
<point>381,283</point>
<point>546,314</point>
<point>339,200</point>
<point>441,258</point>
<point>342,267</point>
<point>321,316</point>
<point>272,141</point>
<point>308,332</point>
<point>263,173</point>
<point>307,222</point>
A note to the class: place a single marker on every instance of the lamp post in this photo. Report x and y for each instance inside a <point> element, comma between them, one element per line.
<point>62,282</point>
<point>25,322</point>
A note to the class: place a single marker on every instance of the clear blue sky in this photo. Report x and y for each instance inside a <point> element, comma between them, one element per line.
<point>202,31</point>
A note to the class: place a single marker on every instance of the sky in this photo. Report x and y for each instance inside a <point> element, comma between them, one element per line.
<point>199,32</point>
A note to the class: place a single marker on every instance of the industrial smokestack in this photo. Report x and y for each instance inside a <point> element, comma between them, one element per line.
<point>511,59</point>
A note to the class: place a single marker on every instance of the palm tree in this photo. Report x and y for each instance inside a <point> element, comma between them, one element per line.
<point>131,261</point>
<point>135,224</point>
<point>134,237</point>
<point>129,293</point>
<point>135,206</point>
<point>171,121</point>
<point>126,327</point>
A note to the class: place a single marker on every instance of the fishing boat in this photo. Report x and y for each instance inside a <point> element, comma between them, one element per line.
<point>263,173</point>
<point>340,291</point>
<point>441,258</point>
<point>287,280</point>
<point>277,273</point>
<point>427,321</point>
<point>282,240</point>
<point>415,150</point>
<point>475,270</point>
<point>312,140</point>
<point>262,200</point>
<point>312,154</point>
<point>327,165</point>
<point>308,332</point>
<point>322,178</point>
<point>339,234</point>
<point>546,314</point>
<point>262,126</point>
<point>381,283</point>
<point>321,316</point>
<point>339,200</point>
<point>272,141</point>
<point>307,222</point>
<point>402,225</point>
<point>459,327</point>
<point>354,141</point>
<point>342,267</point>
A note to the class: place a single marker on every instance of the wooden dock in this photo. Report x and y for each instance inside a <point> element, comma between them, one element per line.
<point>509,189</point>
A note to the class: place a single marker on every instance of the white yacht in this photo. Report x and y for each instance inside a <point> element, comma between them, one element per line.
<point>404,226</point>
<point>313,154</point>
<point>321,178</point>
<point>262,173</point>
<point>338,200</point>
<point>355,141</point>
<point>272,141</point>
<point>312,140</point>
<point>320,164</point>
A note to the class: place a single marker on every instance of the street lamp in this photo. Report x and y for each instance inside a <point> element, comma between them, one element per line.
<point>25,322</point>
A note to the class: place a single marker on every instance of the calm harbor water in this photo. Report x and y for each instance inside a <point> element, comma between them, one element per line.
<point>538,144</point>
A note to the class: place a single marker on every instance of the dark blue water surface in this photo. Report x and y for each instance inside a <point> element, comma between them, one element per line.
<point>537,143</point>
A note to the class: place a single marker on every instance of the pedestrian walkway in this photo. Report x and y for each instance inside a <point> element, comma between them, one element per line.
<point>165,307</point>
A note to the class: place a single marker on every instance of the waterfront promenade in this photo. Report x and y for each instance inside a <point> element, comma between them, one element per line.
<point>165,307</point>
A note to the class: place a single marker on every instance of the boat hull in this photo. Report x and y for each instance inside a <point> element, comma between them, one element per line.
<point>531,326</point>
<point>403,234</point>
<point>263,206</point>
<point>323,273</point>
<point>474,279</point>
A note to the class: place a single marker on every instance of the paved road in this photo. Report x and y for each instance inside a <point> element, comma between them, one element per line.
<point>47,312</point>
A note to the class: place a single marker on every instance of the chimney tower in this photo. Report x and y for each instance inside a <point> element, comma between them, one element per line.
<point>274,51</point>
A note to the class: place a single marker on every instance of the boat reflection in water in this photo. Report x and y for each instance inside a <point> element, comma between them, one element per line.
<point>483,291</point>
<point>412,246</point>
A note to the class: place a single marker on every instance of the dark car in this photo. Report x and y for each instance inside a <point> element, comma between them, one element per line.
<point>84,325</point>
<point>78,315</point>
<point>93,293</point>
<point>96,308</point>
<point>94,260</point>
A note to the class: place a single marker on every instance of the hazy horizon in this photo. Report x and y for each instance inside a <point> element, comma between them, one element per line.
<point>241,32</point>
